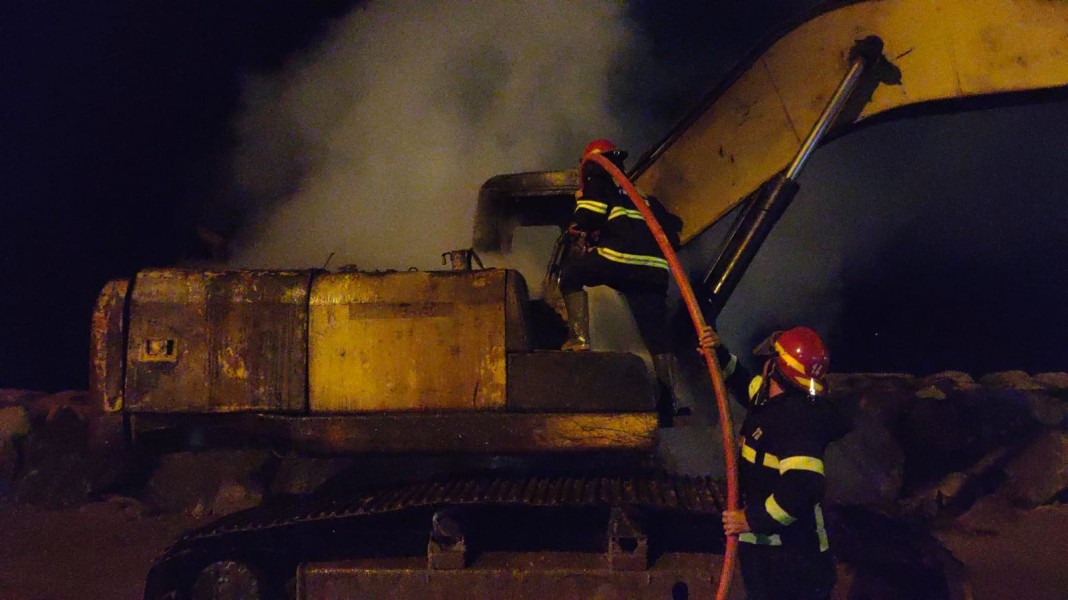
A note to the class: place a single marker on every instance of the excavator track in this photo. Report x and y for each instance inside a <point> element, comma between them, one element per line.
<point>559,512</point>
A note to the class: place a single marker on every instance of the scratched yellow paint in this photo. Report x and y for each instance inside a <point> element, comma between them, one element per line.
<point>595,431</point>
<point>407,341</point>
<point>943,48</point>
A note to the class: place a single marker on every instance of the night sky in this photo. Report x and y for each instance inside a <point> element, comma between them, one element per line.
<point>117,121</point>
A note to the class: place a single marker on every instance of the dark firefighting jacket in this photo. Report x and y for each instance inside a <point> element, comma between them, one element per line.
<point>781,471</point>
<point>622,235</point>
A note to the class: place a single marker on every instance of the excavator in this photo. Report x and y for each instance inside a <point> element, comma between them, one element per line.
<point>552,488</point>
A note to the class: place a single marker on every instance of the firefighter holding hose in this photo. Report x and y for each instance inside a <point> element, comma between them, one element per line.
<point>783,547</point>
<point>611,245</point>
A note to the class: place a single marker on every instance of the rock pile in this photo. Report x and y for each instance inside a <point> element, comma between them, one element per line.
<point>937,454</point>
<point>929,447</point>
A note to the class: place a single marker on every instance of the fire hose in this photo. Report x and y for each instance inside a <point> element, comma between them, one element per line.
<point>714,371</point>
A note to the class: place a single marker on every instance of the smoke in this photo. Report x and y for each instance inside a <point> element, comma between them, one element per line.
<point>371,147</point>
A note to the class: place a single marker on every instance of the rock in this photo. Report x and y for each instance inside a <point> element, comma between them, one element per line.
<point>943,436</point>
<point>957,491</point>
<point>1048,410</point>
<point>9,464</point>
<point>58,483</point>
<point>213,482</point>
<point>1054,381</point>
<point>886,406</point>
<point>931,392</point>
<point>1017,380</point>
<point>866,466</point>
<point>14,422</point>
<point>132,508</point>
<point>44,409</point>
<point>233,496</point>
<point>64,432</point>
<point>1040,472</point>
<point>11,397</point>
<point>947,381</point>
<point>60,470</point>
<point>300,475</point>
<point>854,384</point>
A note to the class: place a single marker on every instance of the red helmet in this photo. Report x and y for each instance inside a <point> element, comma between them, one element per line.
<point>598,147</point>
<point>800,357</point>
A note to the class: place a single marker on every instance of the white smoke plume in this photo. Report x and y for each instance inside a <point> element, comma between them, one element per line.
<point>372,146</point>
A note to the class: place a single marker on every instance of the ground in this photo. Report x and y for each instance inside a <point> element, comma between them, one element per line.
<point>102,551</point>
<point>98,551</point>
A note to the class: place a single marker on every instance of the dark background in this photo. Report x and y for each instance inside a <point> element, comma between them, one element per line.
<point>115,121</point>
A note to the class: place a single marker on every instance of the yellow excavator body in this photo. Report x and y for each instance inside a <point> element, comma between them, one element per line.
<point>430,361</point>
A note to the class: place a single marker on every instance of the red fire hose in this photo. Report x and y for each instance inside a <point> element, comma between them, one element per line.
<point>714,372</point>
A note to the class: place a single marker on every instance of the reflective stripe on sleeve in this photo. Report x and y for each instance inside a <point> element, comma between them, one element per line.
<point>632,259</point>
<point>801,463</point>
<point>821,530</point>
<point>760,539</point>
<point>749,454</point>
<point>777,512</point>
<point>592,206</point>
<point>630,213</point>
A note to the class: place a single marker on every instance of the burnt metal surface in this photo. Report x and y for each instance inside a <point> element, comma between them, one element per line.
<point>407,341</point>
<point>522,199</point>
<point>579,382</point>
<point>452,432</point>
<point>108,342</point>
<point>217,341</point>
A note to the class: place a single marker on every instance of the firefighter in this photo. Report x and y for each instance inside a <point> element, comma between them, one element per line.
<point>783,549</point>
<point>612,245</point>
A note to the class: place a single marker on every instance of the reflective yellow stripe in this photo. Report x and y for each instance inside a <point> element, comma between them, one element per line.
<point>801,463</point>
<point>592,206</point>
<point>748,453</point>
<point>633,259</point>
<point>630,213</point>
<point>821,530</point>
<point>790,360</point>
<point>770,460</point>
<point>760,539</point>
<point>754,386</point>
<point>777,512</point>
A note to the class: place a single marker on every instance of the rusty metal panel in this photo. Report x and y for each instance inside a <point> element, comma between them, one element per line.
<point>218,341</point>
<point>404,341</point>
<point>107,342</point>
<point>486,432</point>
<point>944,49</point>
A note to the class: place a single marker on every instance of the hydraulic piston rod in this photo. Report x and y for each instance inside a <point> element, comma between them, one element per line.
<point>771,200</point>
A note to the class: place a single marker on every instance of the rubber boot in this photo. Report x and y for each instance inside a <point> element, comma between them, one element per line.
<point>668,410</point>
<point>578,322</point>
